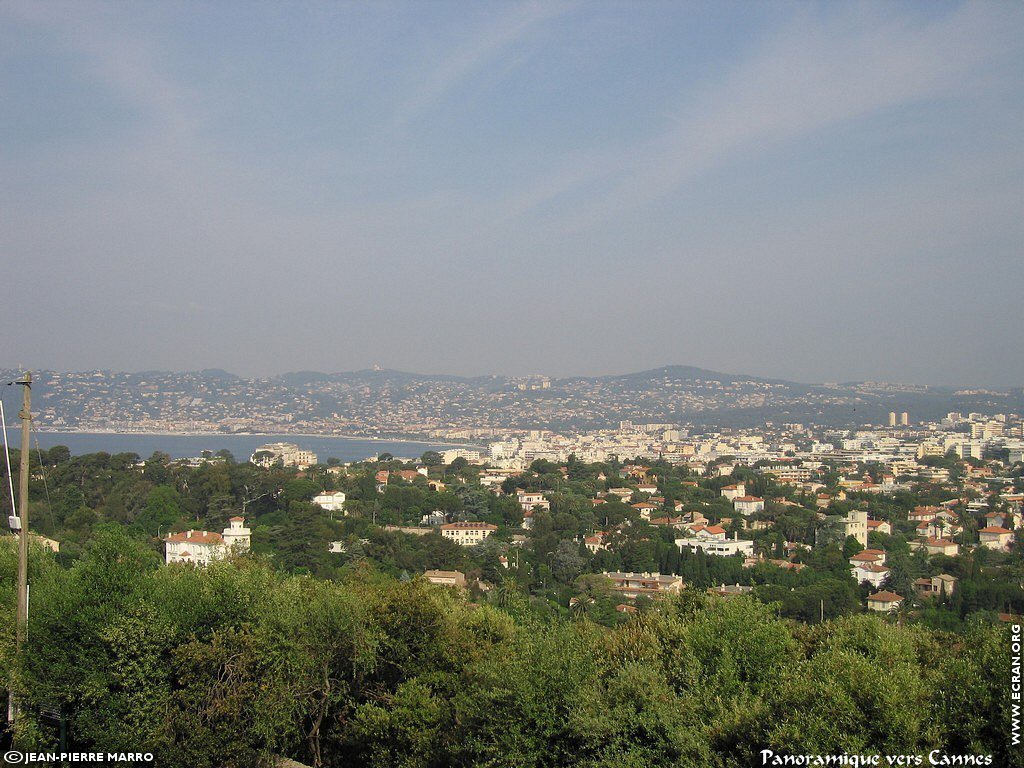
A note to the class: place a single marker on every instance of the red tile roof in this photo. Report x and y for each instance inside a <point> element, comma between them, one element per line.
<point>866,557</point>
<point>197,537</point>
<point>885,597</point>
<point>872,568</point>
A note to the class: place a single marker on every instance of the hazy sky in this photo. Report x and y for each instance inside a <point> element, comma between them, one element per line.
<point>819,191</point>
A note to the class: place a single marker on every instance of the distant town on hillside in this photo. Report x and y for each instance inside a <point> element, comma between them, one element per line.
<point>393,403</point>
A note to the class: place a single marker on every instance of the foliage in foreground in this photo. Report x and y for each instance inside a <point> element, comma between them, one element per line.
<point>227,665</point>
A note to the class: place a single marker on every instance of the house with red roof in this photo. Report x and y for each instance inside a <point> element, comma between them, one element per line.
<point>880,526</point>
<point>872,556</point>
<point>734,491</point>
<point>922,514</point>
<point>632,585</point>
<point>645,508</point>
<point>595,543</point>
<point>936,586</point>
<point>873,573</point>
<point>884,602</point>
<point>1002,520</point>
<point>996,538</point>
<point>937,546</point>
<point>529,500</point>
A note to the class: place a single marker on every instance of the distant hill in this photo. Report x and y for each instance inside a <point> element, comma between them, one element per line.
<point>690,373</point>
<point>373,376</point>
<point>388,402</point>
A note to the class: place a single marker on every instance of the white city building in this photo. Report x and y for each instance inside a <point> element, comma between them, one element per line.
<point>473,457</point>
<point>289,454</point>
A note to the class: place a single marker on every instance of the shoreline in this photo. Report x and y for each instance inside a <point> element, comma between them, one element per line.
<point>319,436</point>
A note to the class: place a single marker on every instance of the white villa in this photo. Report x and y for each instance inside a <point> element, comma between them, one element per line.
<point>880,526</point>
<point>873,573</point>
<point>467,534</point>
<point>937,546</point>
<point>530,499</point>
<point>748,505</point>
<point>332,501</point>
<point>718,547</point>
<point>996,537</point>
<point>856,525</point>
<point>201,547</point>
<point>732,492</point>
<point>632,585</point>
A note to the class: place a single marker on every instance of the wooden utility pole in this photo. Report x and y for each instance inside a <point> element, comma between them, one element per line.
<point>22,620</point>
<point>26,421</point>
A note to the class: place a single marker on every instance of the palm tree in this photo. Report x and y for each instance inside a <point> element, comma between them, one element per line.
<point>964,519</point>
<point>905,610</point>
<point>506,592</point>
<point>762,549</point>
<point>578,606</point>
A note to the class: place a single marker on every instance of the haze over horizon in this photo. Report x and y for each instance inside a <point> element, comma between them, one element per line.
<point>514,374</point>
<point>808,192</point>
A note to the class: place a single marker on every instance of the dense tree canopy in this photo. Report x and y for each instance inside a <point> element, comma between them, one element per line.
<point>230,664</point>
<point>325,644</point>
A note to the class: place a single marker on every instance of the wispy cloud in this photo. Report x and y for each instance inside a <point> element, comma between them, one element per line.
<point>223,164</point>
<point>810,76</point>
<point>117,57</point>
<point>458,65</point>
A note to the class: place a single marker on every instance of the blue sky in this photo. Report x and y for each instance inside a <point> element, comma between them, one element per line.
<point>813,191</point>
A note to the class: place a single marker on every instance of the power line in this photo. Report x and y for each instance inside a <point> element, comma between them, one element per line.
<point>7,457</point>
<point>46,489</point>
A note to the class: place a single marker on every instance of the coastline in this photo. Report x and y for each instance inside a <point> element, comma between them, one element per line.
<point>212,434</point>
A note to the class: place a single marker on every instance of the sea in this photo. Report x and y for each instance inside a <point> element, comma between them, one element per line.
<point>241,446</point>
